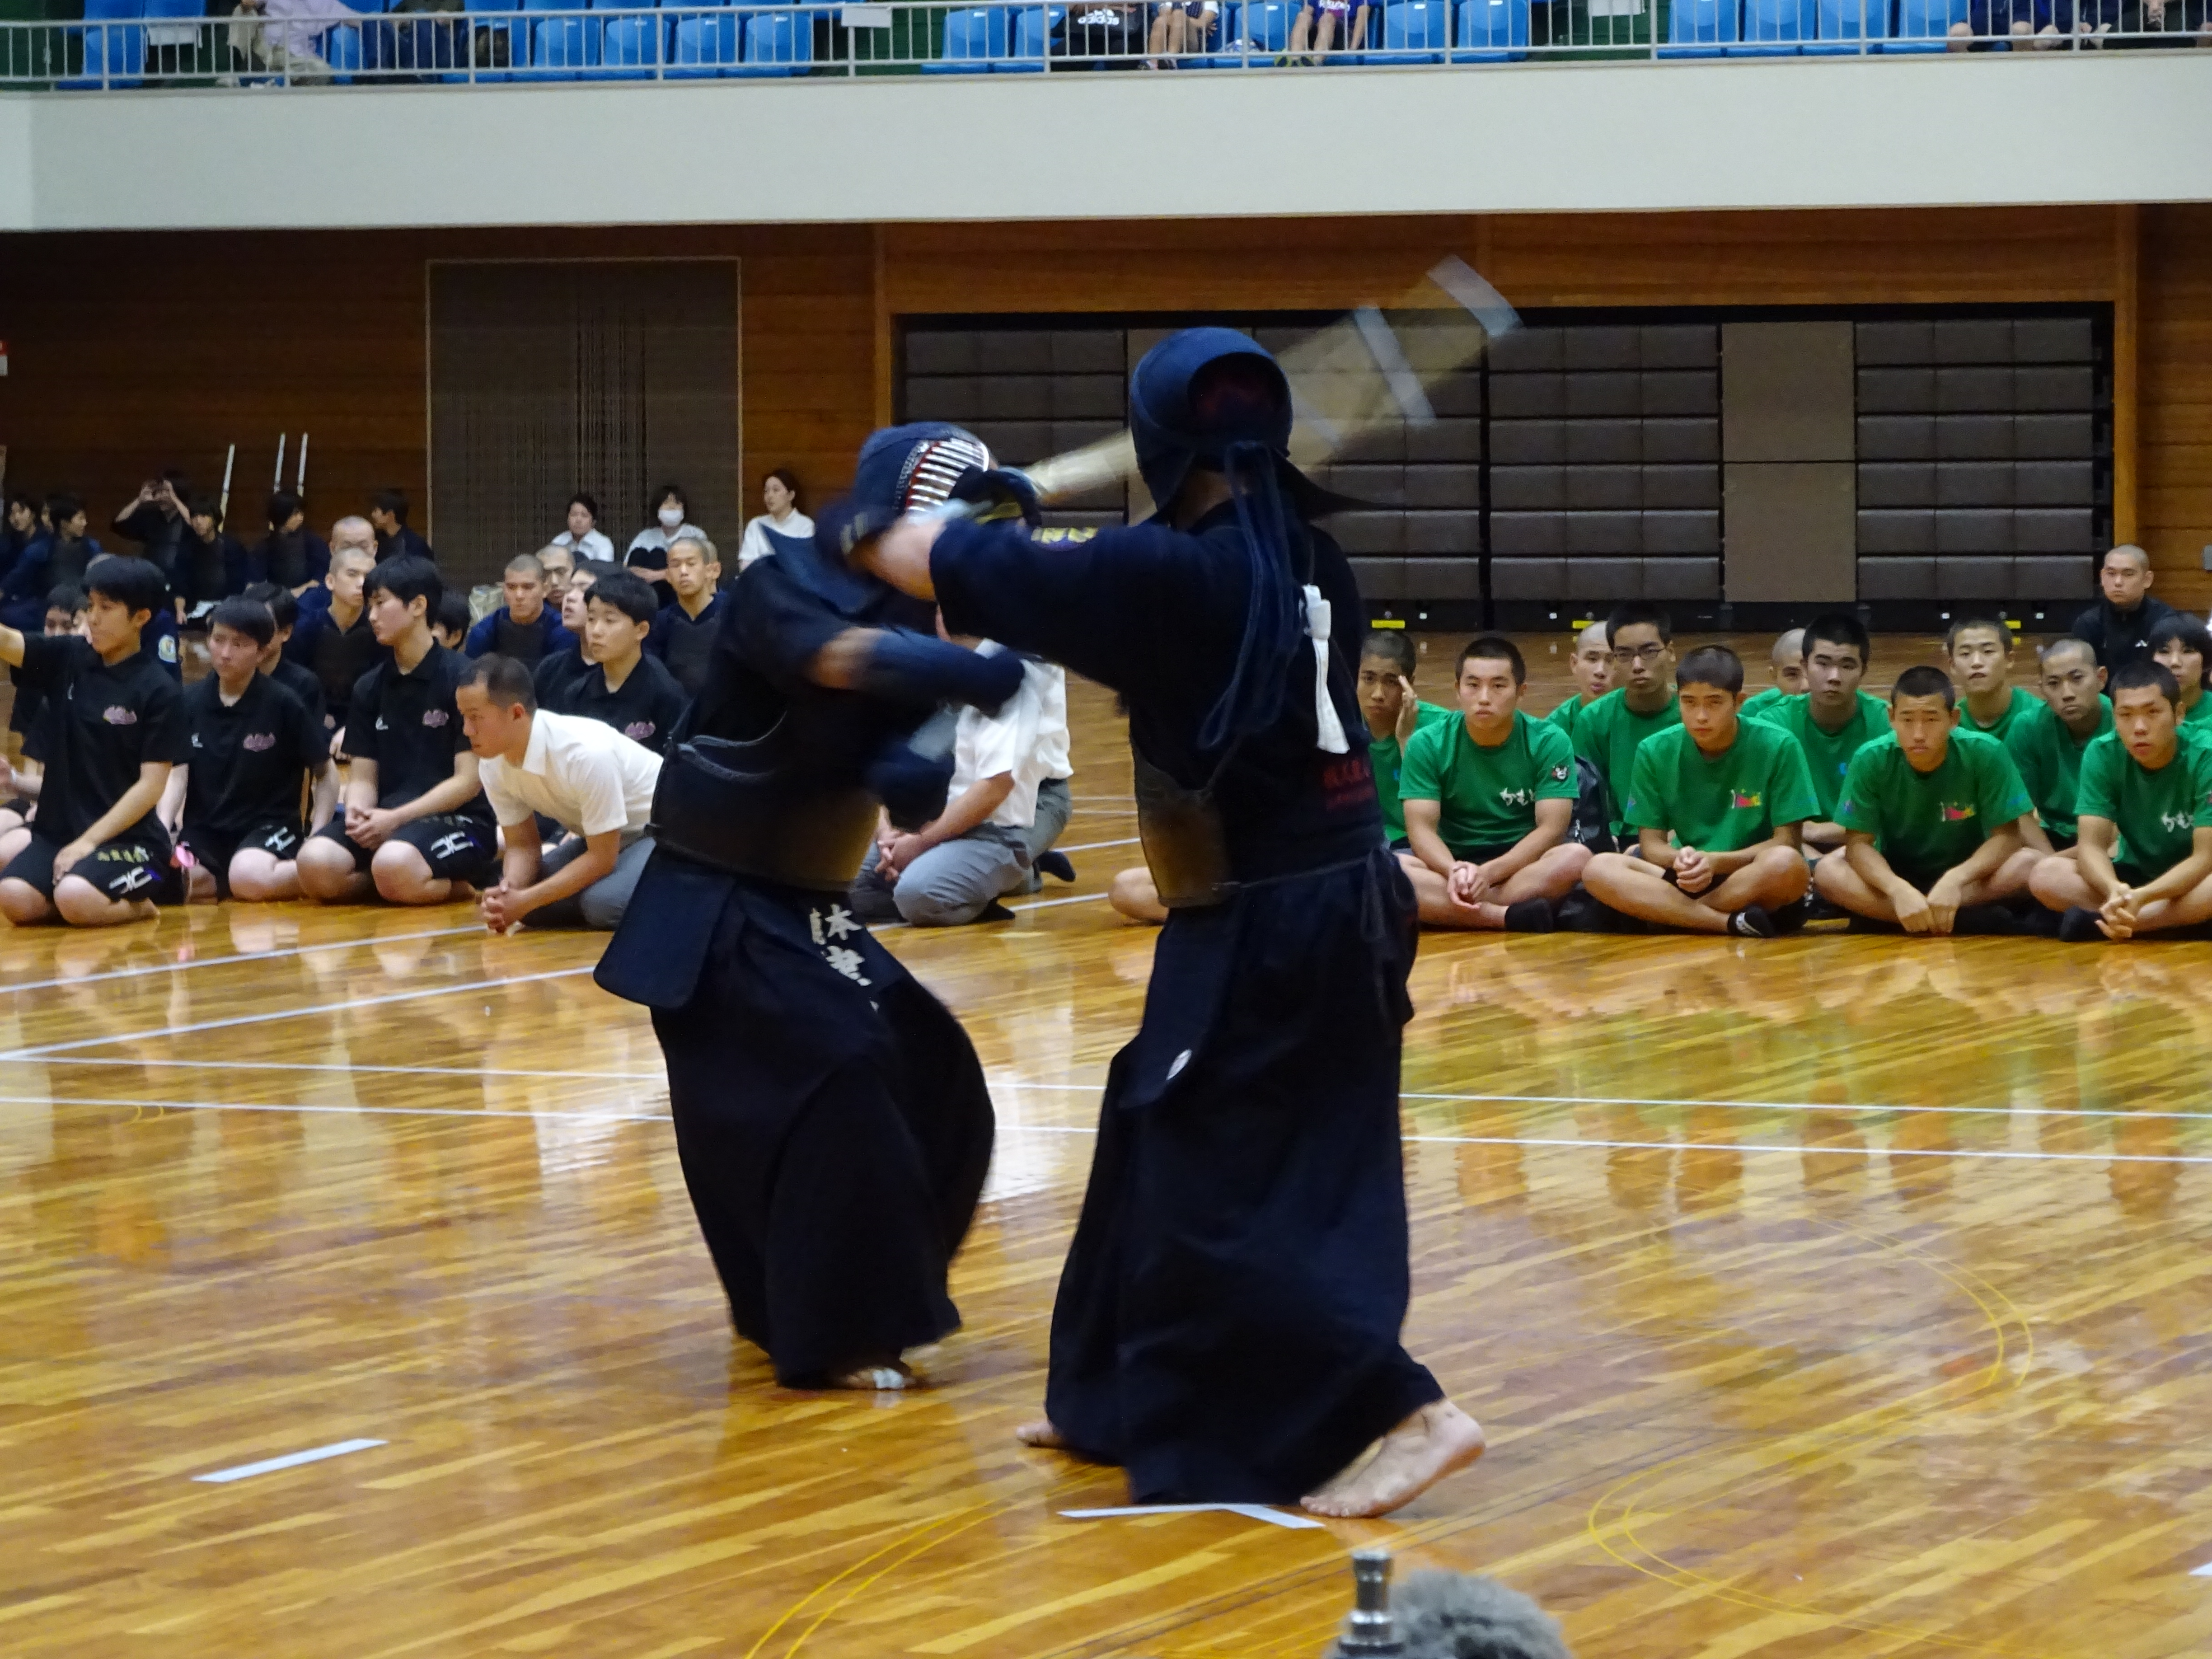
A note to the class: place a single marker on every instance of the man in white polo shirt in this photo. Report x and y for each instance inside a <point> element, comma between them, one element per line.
<point>587,777</point>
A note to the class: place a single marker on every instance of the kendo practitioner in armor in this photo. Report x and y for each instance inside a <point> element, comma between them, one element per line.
<point>1228,1321</point>
<point>830,1116</point>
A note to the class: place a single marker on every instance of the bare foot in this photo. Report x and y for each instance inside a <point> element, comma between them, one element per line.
<point>1040,1433</point>
<point>1435,1440</point>
<point>883,1379</point>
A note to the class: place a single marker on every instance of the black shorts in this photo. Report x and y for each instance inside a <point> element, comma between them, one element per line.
<point>455,848</point>
<point>212,850</point>
<point>128,867</point>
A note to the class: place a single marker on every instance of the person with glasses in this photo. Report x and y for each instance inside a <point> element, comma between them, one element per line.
<point>1608,732</point>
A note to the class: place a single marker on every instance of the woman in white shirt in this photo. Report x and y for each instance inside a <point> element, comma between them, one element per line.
<point>583,533</point>
<point>780,495</point>
<point>648,549</point>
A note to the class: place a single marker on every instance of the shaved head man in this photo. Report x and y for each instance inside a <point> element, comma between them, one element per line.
<point>2118,625</point>
<point>1592,668</point>
<point>1786,662</point>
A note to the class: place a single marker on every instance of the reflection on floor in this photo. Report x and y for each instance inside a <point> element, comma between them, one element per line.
<point>1834,1297</point>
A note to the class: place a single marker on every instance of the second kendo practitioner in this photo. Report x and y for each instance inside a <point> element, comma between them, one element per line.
<point>830,1116</point>
<point>1228,1321</point>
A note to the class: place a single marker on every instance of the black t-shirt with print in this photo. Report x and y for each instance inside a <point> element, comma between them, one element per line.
<point>102,723</point>
<point>250,758</point>
<point>409,725</point>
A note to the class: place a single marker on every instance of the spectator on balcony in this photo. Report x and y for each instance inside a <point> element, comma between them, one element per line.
<point>1100,28</point>
<point>290,554</point>
<point>583,536</point>
<point>154,519</point>
<point>285,37</point>
<point>780,495</point>
<point>2192,17</point>
<point>1321,24</point>
<point>648,550</point>
<point>387,515</point>
<point>211,565</point>
<point>1181,27</point>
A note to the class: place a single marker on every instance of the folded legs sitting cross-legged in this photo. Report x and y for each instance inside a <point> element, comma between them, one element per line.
<point>1717,804</point>
<point>1488,799</point>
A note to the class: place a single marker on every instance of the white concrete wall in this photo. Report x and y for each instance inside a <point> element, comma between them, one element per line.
<point>1793,132</point>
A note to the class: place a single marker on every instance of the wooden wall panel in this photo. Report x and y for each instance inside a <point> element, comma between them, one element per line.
<point>128,354</point>
<point>2174,463</point>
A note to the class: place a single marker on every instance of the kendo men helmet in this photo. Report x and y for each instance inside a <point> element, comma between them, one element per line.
<point>1198,393</point>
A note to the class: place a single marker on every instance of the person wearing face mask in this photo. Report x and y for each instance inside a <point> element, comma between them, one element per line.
<point>648,550</point>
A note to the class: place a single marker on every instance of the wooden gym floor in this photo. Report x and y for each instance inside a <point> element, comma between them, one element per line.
<point>1834,1297</point>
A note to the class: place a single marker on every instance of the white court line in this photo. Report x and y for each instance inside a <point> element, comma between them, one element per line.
<point>1741,1105</point>
<point>1093,846</point>
<point>1250,1511</point>
<point>1852,1151</point>
<point>289,1460</point>
<point>329,1108</point>
<point>327,1066</point>
<point>39,1050</point>
<point>2204,1572</point>
<point>1047,904</point>
<point>243,956</point>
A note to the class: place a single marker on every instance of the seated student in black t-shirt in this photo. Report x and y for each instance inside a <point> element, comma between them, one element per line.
<point>621,686</point>
<point>284,611</point>
<point>556,667</point>
<point>449,623</point>
<point>99,853</point>
<point>254,747</point>
<point>416,828</point>
<point>683,633</point>
<point>523,629</point>
<point>66,615</point>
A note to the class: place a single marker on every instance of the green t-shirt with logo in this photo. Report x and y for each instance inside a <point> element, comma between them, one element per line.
<point>2048,757</point>
<point>2018,709</point>
<point>1931,822</point>
<point>1487,797</point>
<point>1828,753</point>
<point>2157,812</point>
<point>1761,702</point>
<point>1722,803</point>
<point>1390,761</point>
<point>1606,733</point>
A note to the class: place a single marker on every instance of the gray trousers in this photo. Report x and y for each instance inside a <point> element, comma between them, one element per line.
<point>601,906</point>
<point>951,884</point>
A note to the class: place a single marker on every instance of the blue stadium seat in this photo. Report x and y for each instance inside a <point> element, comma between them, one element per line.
<point>562,44</point>
<point>1925,25</point>
<point>1773,28</point>
<point>777,43</point>
<point>1033,27</point>
<point>701,44</point>
<point>629,46</point>
<point>114,55</point>
<point>1414,31</point>
<point>1493,32</point>
<point>1700,28</point>
<point>1266,25</point>
<point>974,36</point>
<point>1840,21</point>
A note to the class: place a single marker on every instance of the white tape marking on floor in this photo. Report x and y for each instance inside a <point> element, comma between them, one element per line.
<point>1250,1511</point>
<point>42,1049</point>
<point>289,1460</point>
<point>242,956</point>
<point>520,1117</point>
<point>1094,845</point>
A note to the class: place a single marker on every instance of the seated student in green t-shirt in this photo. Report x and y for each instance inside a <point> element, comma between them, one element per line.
<point>1606,733</point>
<point>1716,802</point>
<point>1592,666</point>
<point>1834,719</point>
<point>1489,798</point>
<point>2144,861</point>
<point>2183,644</point>
<point>1932,817</point>
<point>1394,712</point>
<point>1980,649</point>
<point>2047,741</point>
<point>1786,662</point>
